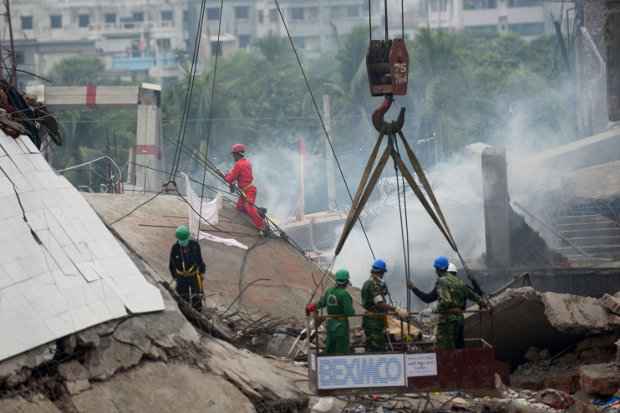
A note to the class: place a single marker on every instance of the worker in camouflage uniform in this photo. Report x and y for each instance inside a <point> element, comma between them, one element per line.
<point>339,305</point>
<point>452,294</point>
<point>374,295</point>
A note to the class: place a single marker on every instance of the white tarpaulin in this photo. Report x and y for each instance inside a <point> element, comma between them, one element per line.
<point>210,216</point>
<point>61,270</point>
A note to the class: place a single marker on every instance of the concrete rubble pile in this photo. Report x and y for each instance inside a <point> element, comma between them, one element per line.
<point>157,362</point>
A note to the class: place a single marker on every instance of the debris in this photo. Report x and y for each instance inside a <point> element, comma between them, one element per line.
<point>600,379</point>
<point>523,317</point>
<point>555,398</point>
<point>611,303</point>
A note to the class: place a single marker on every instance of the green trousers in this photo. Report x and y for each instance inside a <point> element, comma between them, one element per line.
<point>374,329</point>
<point>450,332</point>
<point>337,341</point>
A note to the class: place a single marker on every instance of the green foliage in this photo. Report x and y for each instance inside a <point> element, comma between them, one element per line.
<point>463,88</point>
<point>77,71</point>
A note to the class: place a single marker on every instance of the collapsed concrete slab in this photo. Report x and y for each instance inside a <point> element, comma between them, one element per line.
<point>523,318</point>
<point>271,276</point>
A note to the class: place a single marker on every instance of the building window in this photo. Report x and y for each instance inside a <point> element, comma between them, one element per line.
<point>110,18</point>
<point>479,4</point>
<point>312,13</point>
<point>273,15</point>
<point>242,12</point>
<point>20,59</point>
<point>300,42</point>
<point>26,22</point>
<point>137,16</point>
<point>296,13</point>
<point>167,15</point>
<point>487,29</point>
<point>56,21</point>
<point>216,49</point>
<point>337,12</point>
<point>84,20</point>
<point>164,44</point>
<point>244,40</point>
<point>261,16</point>
<point>353,11</point>
<point>527,29</point>
<point>213,13</point>
<point>439,5</point>
<point>525,3</point>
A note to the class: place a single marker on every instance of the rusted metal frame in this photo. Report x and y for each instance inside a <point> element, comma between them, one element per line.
<point>427,187</point>
<point>357,209</point>
<point>418,192</point>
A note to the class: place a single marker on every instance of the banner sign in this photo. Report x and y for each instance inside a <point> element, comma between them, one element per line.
<point>359,371</point>
<point>421,364</point>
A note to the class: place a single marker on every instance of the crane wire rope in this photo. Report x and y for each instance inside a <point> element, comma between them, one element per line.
<point>320,117</point>
<point>189,92</point>
<point>211,105</point>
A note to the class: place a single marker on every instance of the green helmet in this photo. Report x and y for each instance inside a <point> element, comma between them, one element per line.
<point>183,235</point>
<point>342,277</point>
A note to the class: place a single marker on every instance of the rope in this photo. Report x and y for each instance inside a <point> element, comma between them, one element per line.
<point>211,105</point>
<point>321,120</point>
<point>405,238</point>
<point>189,92</point>
<point>136,208</point>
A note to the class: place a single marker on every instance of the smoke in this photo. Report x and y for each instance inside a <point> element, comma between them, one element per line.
<point>458,188</point>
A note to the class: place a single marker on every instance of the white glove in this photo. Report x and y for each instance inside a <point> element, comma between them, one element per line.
<point>402,313</point>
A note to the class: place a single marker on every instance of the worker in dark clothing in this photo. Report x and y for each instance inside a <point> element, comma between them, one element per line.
<point>452,294</point>
<point>339,305</point>
<point>188,268</point>
<point>374,301</point>
<point>241,174</point>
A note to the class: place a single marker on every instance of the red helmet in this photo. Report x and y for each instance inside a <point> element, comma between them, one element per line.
<point>238,148</point>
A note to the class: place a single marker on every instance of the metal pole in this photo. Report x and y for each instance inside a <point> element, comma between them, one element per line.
<point>385,8</point>
<point>331,173</point>
<point>301,196</point>
<point>13,79</point>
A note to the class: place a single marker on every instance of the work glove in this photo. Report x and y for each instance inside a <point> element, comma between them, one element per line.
<point>232,188</point>
<point>310,308</point>
<point>402,313</point>
<point>410,284</point>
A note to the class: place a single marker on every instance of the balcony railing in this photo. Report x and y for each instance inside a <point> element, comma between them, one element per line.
<point>143,63</point>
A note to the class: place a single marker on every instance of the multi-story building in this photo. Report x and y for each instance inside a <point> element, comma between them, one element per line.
<point>131,36</point>
<point>314,24</point>
<point>527,18</point>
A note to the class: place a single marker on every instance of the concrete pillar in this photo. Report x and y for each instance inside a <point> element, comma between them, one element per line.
<point>496,207</point>
<point>148,152</point>
<point>613,59</point>
<point>330,166</point>
<point>300,211</point>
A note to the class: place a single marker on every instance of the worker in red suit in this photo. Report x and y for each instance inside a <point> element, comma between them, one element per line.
<point>241,174</point>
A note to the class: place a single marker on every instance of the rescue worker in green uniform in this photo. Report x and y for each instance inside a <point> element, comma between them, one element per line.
<point>339,305</point>
<point>188,268</point>
<point>374,294</point>
<point>452,294</point>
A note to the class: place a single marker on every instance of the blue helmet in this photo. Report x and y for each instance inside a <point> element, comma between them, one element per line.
<point>379,265</point>
<point>441,263</point>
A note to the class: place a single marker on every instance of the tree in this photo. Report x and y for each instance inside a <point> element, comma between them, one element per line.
<point>77,71</point>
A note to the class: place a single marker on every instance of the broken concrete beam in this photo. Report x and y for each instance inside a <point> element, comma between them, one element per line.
<point>162,388</point>
<point>611,303</point>
<point>523,318</point>
<point>75,375</point>
<point>600,379</point>
<point>37,404</point>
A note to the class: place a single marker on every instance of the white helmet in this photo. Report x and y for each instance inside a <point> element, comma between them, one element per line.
<point>452,268</point>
